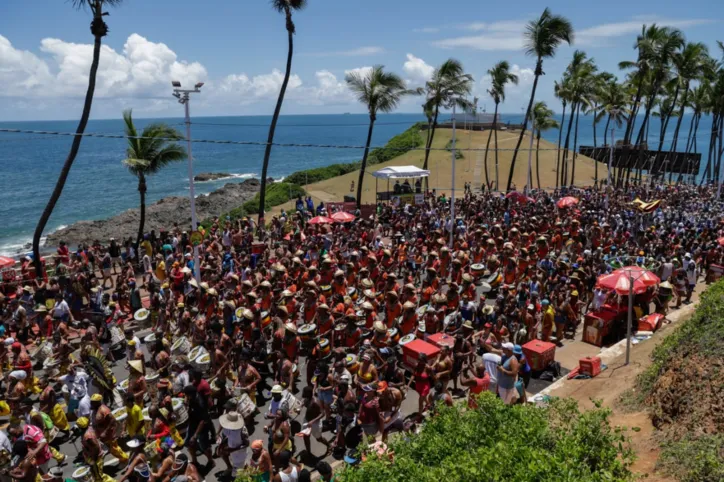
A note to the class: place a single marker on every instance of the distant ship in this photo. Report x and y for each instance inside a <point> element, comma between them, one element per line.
<point>346,113</point>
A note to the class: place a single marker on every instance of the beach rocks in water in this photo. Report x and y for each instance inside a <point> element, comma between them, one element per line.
<point>211,176</point>
<point>160,215</point>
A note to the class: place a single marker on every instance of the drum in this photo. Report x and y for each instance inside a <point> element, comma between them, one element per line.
<point>45,350</point>
<point>494,279</point>
<point>352,293</point>
<point>308,333</point>
<point>123,387</point>
<point>150,450</point>
<point>120,414</point>
<point>325,349</point>
<point>326,290</point>
<point>245,406</point>
<point>295,370</point>
<point>265,319</point>
<point>141,315</point>
<point>150,339</point>
<point>181,346</point>
<point>202,363</point>
<point>143,471</point>
<point>666,290</point>
<point>117,338</point>
<point>406,339</point>
<point>239,313</point>
<point>179,409</point>
<point>352,363</point>
<point>196,352</point>
<point>393,334</point>
<point>477,270</point>
<point>293,404</point>
<point>82,474</point>
<point>152,385</point>
<point>485,287</point>
<point>360,314</point>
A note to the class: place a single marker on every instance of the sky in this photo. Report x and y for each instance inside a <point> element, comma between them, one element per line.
<point>239,48</point>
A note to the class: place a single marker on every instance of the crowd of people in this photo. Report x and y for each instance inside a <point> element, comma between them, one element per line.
<point>310,317</point>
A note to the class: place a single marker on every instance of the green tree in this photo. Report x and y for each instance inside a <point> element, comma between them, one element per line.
<point>500,76</point>
<point>147,153</point>
<point>448,81</point>
<point>562,93</point>
<point>614,106</point>
<point>543,36</point>
<point>379,91</point>
<point>287,7</point>
<point>542,121</point>
<point>98,29</point>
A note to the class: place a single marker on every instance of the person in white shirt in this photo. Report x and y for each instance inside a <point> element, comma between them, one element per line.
<point>61,310</point>
<point>77,382</point>
<point>491,361</point>
<point>235,440</point>
<point>84,407</point>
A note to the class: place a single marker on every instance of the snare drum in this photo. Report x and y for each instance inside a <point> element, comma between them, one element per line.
<point>352,363</point>
<point>308,333</point>
<point>150,450</point>
<point>393,334</point>
<point>152,385</point>
<point>325,349</point>
<point>150,339</point>
<point>406,339</point>
<point>352,293</point>
<point>239,313</point>
<point>123,387</point>
<point>44,352</point>
<point>179,409</point>
<point>265,319</point>
<point>120,414</point>
<point>181,346</point>
<point>196,352</point>
<point>82,474</point>
<point>326,290</point>
<point>245,406</point>
<point>202,363</point>
<point>117,337</point>
<point>477,270</point>
<point>141,315</point>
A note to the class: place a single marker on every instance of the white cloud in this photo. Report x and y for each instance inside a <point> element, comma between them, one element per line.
<point>483,42</point>
<point>514,26</point>
<point>417,70</point>
<point>426,30</point>
<point>248,90</point>
<point>525,80</point>
<point>589,36</point>
<point>358,52</point>
<point>363,71</point>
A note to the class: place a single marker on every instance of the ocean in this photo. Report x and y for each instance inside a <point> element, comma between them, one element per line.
<point>99,186</point>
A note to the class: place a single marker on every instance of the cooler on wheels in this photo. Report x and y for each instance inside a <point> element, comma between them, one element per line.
<point>441,339</point>
<point>411,353</point>
<point>597,325</point>
<point>539,354</point>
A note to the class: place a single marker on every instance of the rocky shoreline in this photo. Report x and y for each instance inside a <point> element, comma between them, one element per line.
<point>159,215</point>
<point>211,176</point>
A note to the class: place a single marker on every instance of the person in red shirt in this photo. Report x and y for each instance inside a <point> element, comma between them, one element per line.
<point>409,318</point>
<point>202,386</point>
<point>393,309</point>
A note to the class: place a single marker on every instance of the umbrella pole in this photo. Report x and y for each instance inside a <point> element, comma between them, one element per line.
<point>630,316</point>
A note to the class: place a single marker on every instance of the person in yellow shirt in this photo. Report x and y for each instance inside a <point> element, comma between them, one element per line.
<point>547,322</point>
<point>147,248</point>
<point>134,417</point>
<point>160,268</point>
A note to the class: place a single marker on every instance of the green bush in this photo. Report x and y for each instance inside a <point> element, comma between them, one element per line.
<point>321,173</point>
<point>694,459</point>
<point>522,443</point>
<point>276,194</point>
<point>398,145</point>
<point>458,153</point>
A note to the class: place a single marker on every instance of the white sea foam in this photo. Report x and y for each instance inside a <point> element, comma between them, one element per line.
<point>245,175</point>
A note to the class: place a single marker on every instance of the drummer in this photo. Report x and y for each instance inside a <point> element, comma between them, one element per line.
<point>248,377</point>
<point>49,404</point>
<point>136,381</point>
<point>408,321</point>
<point>324,321</point>
<point>92,451</point>
<point>393,309</point>
<point>105,425</point>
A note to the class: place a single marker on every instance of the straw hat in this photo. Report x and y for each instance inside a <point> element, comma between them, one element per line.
<point>136,365</point>
<point>212,292</point>
<point>290,328</point>
<point>231,421</point>
<point>277,389</point>
<point>488,310</point>
<point>393,294</point>
<point>379,327</point>
<point>409,286</point>
<point>408,305</point>
<point>265,284</point>
<point>369,293</point>
<point>193,283</point>
<point>367,283</point>
<point>204,285</point>
<point>248,314</point>
<point>367,306</point>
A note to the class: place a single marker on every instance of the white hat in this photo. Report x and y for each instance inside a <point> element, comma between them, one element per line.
<point>687,255</point>
<point>18,374</point>
<point>277,389</point>
<point>507,346</point>
<point>231,421</point>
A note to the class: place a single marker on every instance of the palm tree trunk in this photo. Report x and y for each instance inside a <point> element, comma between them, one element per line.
<point>564,162</point>
<point>595,108</point>
<point>688,144</point>
<point>712,139</point>
<point>275,118</point>
<point>487,146</point>
<point>575,147</point>
<point>558,153</point>
<point>662,134</point>
<point>537,161</point>
<point>74,147</point>
<point>538,73</point>
<point>632,117</point>
<point>364,161</point>
<point>675,140</point>
<point>142,219</point>
<point>429,144</point>
<point>643,131</point>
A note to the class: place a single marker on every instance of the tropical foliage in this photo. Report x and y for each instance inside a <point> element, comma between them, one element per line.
<point>147,153</point>
<point>497,442</point>
<point>500,76</point>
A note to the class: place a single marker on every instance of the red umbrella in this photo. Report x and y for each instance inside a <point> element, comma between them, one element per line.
<point>343,217</point>
<point>6,262</point>
<point>566,202</point>
<point>721,241</point>
<point>321,220</point>
<point>519,197</point>
<point>619,280</point>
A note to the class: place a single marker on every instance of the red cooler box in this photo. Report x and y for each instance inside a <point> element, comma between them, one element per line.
<point>590,366</point>
<point>411,352</point>
<point>651,322</point>
<point>441,339</point>
<point>539,354</point>
<point>597,325</point>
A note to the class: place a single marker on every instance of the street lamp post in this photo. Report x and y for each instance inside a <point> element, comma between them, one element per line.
<point>183,97</point>
<point>452,195</point>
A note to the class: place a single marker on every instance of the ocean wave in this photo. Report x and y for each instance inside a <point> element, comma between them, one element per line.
<point>14,248</point>
<point>245,175</point>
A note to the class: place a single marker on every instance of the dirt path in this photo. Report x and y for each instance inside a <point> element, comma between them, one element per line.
<point>617,378</point>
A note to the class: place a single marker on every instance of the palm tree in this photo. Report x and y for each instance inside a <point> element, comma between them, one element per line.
<point>286,7</point>
<point>147,154</point>
<point>542,38</point>
<point>98,29</point>
<point>560,91</point>
<point>379,91</point>
<point>448,81</point>
<point>499,76</point>
<point>598,83</point>
<point>542,121</point>
<point>613,106</point>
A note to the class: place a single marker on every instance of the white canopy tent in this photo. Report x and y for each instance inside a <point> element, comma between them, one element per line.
<point>400,172</point>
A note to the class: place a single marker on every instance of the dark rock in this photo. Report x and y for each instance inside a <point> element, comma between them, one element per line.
<point>159,215</point>
<point>210,176</point>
